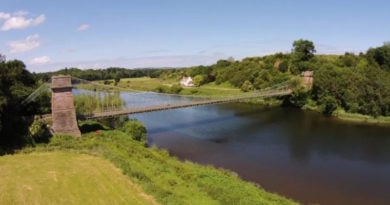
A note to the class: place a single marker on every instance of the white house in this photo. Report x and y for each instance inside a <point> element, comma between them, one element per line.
<point>187,82</point>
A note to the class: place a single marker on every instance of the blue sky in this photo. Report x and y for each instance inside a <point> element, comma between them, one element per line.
<point>49,35</point>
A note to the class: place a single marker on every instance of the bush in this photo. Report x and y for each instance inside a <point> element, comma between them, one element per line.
<point>38,131</point>
<point>162,89</point>
<point>175,89</point>
<point>135,129</point>
<point>329,105</point>
<point>247,86</point>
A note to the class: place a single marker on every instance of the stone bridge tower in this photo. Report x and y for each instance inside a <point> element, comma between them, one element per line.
<point>62,107</point>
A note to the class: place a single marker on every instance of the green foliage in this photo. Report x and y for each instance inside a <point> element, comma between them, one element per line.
<point>162,89</point>
<point>103,74</point>
<point>299,97</point>
<point>16,83</point>
<point>303,50</point>
<point>328,105</point>
<point>247,86</point>
<point>169,180</point>
<point>364,89</point>
<point>199,80</point>
<point>283,66</point>
<point>38,131</point>
<point>381,55</point>
<point>174,89</point>
<point>349,60</point>
<point>135,129</point>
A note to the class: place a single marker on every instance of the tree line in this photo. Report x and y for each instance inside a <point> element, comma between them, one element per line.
<point>102,74</point>
<point>356,83</point>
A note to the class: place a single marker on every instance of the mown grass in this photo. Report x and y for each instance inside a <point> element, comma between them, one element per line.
<point>211,90</point>
<point>169,180</point>
<point>151,84</point>
<point>65,178</point>
<point>144,83</point>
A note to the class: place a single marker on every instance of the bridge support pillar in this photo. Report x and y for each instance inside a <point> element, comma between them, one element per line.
<point>62,107</point>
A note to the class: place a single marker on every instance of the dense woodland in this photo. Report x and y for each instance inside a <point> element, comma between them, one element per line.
<point>356,83</point>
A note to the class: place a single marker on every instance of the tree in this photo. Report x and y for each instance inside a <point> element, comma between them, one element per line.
<point>16,83</point>
<point>329,105</point>
<point>198,80</point>
<point>283,66</point>
<point>381,55</point>
<point>303,50</point>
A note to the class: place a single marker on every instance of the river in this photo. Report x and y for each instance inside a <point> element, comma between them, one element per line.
<point>298,154</point>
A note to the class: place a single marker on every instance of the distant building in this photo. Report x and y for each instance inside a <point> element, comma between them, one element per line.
<point>187,82</point>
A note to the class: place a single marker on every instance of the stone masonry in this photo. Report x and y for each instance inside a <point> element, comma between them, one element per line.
<point>62,106</point>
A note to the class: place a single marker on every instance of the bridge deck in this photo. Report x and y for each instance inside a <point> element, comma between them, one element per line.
<point>113,113</point>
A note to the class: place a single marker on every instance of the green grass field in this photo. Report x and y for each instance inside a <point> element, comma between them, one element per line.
<point>144,83</point>
<point>65,178</point>
<point>150,84</point>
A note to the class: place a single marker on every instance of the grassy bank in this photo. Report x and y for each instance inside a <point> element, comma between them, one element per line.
<point>354,117</point>
<point>65,178</point>
<point>341,114</point>
<point>167,179</point>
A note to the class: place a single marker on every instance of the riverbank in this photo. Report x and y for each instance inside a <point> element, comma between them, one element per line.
<point>167,179</point>
<point>342,115</point>
<point>225,89</point>
<point>359,118</point>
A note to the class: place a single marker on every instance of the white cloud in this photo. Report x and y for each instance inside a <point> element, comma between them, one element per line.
<point>19,20</point>
<point>83,27</point>
<point>4,16</point>
<point>40,60</point>
<point>24,45</point>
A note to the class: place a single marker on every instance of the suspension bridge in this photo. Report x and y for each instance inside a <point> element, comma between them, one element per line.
<point>64,116</point>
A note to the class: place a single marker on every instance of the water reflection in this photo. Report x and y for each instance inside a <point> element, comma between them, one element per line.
<point>295,153</point>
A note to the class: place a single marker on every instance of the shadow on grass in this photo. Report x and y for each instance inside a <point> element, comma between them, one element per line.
<point>91,127</point>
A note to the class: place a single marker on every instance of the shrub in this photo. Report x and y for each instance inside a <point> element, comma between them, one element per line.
<point>38,131</point>
<point>175,89</point>
<point>329,105</point>
<point>135,129</point>
<point>247,86</point>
